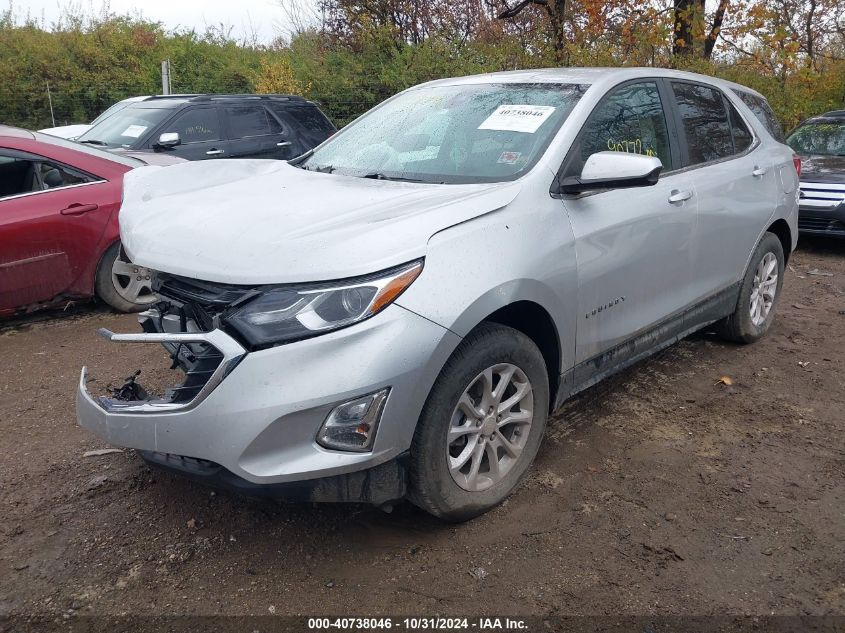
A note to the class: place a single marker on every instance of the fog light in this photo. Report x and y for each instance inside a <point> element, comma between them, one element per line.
<point>352,426</point>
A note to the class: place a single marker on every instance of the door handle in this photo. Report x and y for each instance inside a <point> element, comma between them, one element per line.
<point>214,152</point>
<point>759,171</point>
<point>679,196</point>
<point>79,209</point>
<point>283,144</point>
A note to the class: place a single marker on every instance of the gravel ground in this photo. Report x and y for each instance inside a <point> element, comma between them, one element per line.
<point>660,491</point>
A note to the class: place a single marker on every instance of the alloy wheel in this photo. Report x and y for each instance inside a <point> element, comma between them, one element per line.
<point>763,289</point>
<point>489,427</point>
<point>132,282</point>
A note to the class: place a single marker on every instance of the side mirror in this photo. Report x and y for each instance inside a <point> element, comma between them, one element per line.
<point>614,170</point>
<point>168,140</point>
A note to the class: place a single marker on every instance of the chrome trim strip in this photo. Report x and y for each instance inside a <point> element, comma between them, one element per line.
<point>806,184</point>
<point>35,193</point>
<point>232,352</point>
<point>818,204</point>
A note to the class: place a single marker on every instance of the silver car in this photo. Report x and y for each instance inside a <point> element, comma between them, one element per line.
<point>396,313</point>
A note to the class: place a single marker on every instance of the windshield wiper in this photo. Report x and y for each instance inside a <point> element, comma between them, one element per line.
<point>95,142</point>
<point>377,175</point>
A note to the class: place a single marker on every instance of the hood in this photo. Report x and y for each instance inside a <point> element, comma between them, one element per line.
<point>69,132</point>
<point>828,169</point>
<point>264,221</point>
<point>150,158</point>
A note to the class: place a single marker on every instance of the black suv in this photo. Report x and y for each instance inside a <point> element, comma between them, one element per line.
<point>199,127</point>
<point>820,142</point>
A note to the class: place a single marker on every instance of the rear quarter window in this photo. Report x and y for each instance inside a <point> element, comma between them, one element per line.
<point>764,113</point>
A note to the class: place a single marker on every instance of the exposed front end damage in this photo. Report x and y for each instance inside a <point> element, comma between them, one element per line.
<point>248,419</point>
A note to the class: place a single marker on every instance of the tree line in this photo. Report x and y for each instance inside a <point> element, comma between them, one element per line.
<point>350,54</point>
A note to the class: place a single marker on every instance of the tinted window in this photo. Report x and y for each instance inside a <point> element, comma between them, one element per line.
<point>311,118</point>
<point>196,125</point>
<point>21,175</point>
<point>630,120</point>
<point>705,122</point>
<point>248,121</point>
<point>17,176</point>
<point>764,113</point>
<point>742,135</point>
<point>54,175</point>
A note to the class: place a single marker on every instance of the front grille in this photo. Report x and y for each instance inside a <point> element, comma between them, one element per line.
<point>820,225</point>
<point>200,301</point>
<point>189,306</point>
<point>820,195</point>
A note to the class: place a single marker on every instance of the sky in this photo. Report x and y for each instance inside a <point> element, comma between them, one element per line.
<point>264,17</point>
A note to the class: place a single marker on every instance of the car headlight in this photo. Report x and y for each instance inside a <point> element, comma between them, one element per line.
<point>290,313</point>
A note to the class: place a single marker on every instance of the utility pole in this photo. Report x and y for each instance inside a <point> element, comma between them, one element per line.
<point>165,77</point>
<point>50,100</point>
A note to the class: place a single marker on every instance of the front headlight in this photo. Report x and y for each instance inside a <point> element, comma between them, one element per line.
<point>290,313</point>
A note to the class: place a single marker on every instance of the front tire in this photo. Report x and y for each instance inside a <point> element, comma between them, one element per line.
<point>758,294</point>
<point>481,426</point>
<point>121,284</point>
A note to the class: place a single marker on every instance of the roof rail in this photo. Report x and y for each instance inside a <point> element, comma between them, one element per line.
<point>271,97</point>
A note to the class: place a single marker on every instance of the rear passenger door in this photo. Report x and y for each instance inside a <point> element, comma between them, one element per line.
<point>735,183</point>
<point>200,133</point>
<point>632,244</point>
<point>255,133</point>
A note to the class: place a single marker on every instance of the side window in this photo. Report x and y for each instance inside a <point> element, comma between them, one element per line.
<point>705,122</point>
<point>764,113</point>
<point>630,119</point>
<point>196,125</point>
<point>742,135</point>
<point>311,119</point>
<point>21,175</point>
<point>54,175</point>
<point>275,126</point>
<point>247,121</point>
<point>17,176</point>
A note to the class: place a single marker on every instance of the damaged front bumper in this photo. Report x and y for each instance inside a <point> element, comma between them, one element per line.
<point>253,417</point>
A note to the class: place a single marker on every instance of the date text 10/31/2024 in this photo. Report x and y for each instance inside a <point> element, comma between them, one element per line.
<point>418,624</point>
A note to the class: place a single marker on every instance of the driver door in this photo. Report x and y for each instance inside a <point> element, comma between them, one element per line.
<point>633,245</point>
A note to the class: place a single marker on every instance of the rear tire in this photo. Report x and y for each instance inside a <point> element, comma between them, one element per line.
<point>494,366</point>
<point>114,282</point>
<point>758,294</point>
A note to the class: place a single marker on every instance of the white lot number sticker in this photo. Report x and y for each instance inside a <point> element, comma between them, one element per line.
<point>134,131</point>
<point>517,118</point>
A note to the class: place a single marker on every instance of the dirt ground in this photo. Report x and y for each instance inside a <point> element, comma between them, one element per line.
<point>661,491</point>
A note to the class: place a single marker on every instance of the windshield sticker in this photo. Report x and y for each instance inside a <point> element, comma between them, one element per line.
<point>517,118</point>
<point>509,158</point>
<point>134,131</point>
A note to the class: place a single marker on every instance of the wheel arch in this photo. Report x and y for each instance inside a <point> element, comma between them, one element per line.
<point>780,228</point>
<point>536,323</point>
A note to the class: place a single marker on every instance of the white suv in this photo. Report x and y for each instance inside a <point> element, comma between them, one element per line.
<point>396,313</point>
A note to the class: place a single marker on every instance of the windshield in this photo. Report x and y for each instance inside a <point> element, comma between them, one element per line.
<point>451,134</point>
<point>125,127</point>
<point>120,105</point>
<point>826,138</point>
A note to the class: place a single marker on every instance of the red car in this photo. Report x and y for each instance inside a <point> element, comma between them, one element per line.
<point>59,238</point>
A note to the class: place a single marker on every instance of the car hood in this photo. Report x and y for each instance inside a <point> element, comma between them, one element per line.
<point>828,169</point>
<point>69,132</point>
<point>263,221</point>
